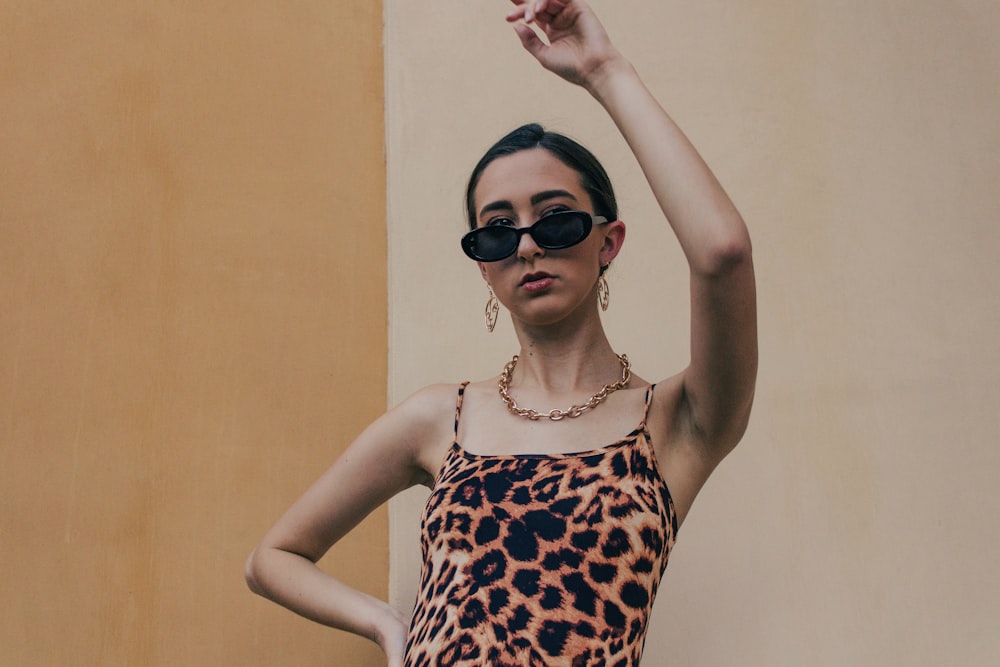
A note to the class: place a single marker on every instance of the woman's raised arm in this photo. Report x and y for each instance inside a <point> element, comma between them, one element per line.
<point>719,383</point>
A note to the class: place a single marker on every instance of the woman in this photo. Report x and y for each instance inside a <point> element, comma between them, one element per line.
<point>545,537</point>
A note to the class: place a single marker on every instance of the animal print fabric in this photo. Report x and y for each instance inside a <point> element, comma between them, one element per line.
<point>542,560</point>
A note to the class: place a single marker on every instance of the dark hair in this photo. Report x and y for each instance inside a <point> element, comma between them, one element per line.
<point>593,178</point>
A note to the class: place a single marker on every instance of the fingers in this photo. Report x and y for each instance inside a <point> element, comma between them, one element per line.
<point>525,9</point>
<point>529,40</point>
<point>534,8</point>
<point>530,10</point>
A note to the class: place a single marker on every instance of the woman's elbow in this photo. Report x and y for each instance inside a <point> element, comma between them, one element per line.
<point>251,573</point>
<point>726,256</point>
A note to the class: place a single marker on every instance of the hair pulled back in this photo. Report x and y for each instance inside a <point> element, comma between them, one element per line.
<point>593,178</point>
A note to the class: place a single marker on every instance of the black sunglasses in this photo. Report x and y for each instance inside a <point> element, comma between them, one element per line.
<point>553,232</point>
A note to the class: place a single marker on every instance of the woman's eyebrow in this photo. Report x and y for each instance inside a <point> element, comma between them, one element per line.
<point>545,195</point>
<point>499,205</point>
<point>550,194</point>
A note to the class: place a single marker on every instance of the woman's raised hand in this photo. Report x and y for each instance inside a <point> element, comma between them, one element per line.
<point>578,48</point>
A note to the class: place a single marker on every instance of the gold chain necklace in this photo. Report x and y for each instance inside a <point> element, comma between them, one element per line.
<point>555,415</point>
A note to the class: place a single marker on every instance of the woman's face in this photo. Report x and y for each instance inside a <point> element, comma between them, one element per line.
<point>541,286</point>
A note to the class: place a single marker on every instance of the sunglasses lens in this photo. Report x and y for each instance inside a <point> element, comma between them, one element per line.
<point>561,230</point>
<point>488,244</point>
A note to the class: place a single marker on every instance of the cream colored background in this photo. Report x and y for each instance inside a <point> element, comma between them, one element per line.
<point>856,524</point>
<point>192,319</point>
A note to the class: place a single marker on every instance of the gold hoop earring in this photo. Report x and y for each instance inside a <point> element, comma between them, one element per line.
<point>603,293</point>
<point>492,308</point>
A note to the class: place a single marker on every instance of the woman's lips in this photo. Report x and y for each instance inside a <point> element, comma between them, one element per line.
<point>535,282</point>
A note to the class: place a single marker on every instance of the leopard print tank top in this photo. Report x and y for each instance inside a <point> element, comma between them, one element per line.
<point>542,560</point>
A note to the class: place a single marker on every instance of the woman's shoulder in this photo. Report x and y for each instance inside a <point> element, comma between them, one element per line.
<point>431,402</point>
<point>427,418</point>
<point>436,407</point>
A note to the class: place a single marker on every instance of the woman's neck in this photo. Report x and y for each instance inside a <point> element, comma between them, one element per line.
<point>562,362</point>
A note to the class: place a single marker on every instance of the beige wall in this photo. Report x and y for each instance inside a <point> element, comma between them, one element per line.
<point>856,523</point>
<point>192,290</point>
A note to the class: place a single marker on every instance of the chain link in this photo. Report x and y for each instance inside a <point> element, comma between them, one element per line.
<point>555,415</point>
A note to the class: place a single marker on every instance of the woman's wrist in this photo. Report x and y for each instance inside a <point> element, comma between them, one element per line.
<point>600,80</point>
<point>389,628</point>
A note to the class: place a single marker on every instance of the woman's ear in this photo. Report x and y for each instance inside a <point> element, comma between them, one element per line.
<point>614,238</point>
<point>482,271</point>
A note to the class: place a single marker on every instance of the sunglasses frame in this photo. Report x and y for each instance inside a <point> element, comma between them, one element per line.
<point>590,220</point>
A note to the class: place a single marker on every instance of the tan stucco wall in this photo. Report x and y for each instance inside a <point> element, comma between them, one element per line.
<point>192,318</point>
<point>856,523</point>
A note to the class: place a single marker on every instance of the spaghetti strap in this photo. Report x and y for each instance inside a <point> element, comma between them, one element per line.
<point>458,406</point>
<point>645,409</point>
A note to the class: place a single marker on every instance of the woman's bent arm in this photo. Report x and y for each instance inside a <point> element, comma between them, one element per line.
<point>295,582</point>
<point>384,460</point>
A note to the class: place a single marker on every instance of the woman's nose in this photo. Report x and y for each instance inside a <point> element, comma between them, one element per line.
<point>526,247</point>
